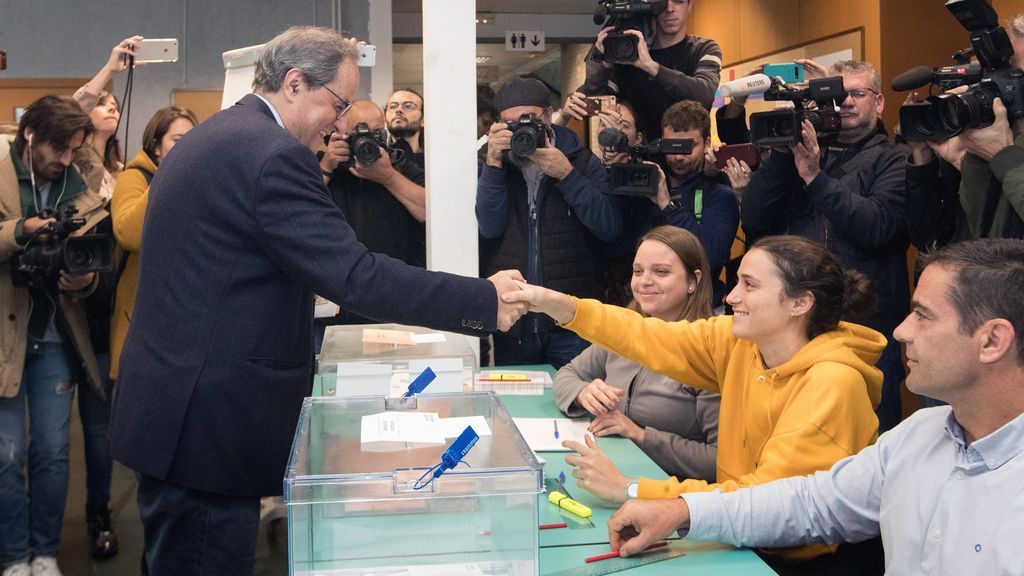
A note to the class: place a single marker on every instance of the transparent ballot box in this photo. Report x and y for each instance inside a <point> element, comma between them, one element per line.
<point>381,359</point>
<point>353,508</point>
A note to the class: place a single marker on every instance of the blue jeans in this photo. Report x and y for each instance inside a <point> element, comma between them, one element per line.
<point>194,533</point>
<point>95,415</point>
<point>30,520</point>
<point>556,347</point>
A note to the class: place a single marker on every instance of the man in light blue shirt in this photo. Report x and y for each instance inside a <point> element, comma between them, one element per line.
<point>945,489</point>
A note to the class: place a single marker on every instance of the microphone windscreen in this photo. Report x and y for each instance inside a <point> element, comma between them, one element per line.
<point>610,137</point>
<point>746,86</point>
<point>913,78</point>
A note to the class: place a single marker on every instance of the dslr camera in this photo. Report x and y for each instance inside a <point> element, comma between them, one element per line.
<point>623,15</point>
<point>634,178</point>
<point>782,127</point>
<point>944,116</point>
<point>365,144</point>
<point>528,134</point>
<point>52,249</point>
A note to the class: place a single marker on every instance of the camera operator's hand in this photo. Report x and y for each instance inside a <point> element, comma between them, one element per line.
<point>988,141</point>
<point>33,224</point>
<point>499,139</point>
<point>710,160</point>
<point>552,162</point>
<point>380,171</point>
<point>739,174</point>
<point>612,119</point>
<point>920,152</point>
<point>806,154</point>
<point>643,56</point>
<point>812,69</point>
<point>337,152</point>
<point>74,282</point>
<point>575,107</point>
<point>662,198</point>
<point>118,61</point>
<point>599,43</point>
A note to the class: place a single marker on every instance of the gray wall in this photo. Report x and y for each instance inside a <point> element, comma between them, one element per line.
<point>67,38</point>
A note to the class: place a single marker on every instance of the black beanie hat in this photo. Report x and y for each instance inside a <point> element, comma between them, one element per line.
<point>522,92</point>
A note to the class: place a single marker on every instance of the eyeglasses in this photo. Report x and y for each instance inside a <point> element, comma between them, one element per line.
<point>860,93</point>
<point>345,104</point>
<point>407,106</point>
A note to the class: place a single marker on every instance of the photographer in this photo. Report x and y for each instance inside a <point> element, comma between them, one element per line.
<point>993,168</point>
<point>671,66</point>
<point>850,197</point>
<point>384,203</point>
<point>48,348</point>
<point>547,212</point>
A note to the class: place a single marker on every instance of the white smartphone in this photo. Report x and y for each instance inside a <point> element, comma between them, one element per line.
<point>157,50</point>
<point>367,55</point>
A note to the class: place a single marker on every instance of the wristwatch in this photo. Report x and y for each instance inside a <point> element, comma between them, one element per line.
<point>632,490</point>
<point>673,205</point>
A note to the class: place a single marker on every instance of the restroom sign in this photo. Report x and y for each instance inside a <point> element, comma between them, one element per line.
<point>524,40</point>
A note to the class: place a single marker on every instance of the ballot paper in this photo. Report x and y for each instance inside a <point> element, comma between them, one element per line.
<point>452,427</point>
<point>539,433</point>
<point>392,431</point>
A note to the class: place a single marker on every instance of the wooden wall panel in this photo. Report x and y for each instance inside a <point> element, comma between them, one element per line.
<point>718,20</point>
<point>823,17</point>
<point>18,92</point>
<point>203,103</point>
<point>766,26</point>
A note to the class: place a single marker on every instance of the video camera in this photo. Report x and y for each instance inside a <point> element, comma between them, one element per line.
<point>528,134</point>
<point>944,116</point>
<point>365,144</point>
<point>623,15</point>
<point>51,249</point>
<point>634,178</point>
<point>782,127</point>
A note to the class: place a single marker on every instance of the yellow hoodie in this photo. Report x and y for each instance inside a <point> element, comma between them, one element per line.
<point>790,420</point>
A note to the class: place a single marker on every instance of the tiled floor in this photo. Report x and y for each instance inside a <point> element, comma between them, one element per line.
<point>74,559</point>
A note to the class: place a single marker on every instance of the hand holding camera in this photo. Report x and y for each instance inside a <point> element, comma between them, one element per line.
<point>499,139</point>
<point>122,53</point>
<point>988,141</point>
<point>337,153</point>
<point>806,153</point>
<point>576,106</point>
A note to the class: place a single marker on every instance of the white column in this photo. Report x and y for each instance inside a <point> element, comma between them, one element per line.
<point>449,86</point>
<point>449,93</point>
<point>381,35</point>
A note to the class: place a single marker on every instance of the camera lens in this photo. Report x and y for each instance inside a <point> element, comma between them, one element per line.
<point>78,257</point>
<point>524,141</point>
<point>366,151</point>
<point>620,47</point>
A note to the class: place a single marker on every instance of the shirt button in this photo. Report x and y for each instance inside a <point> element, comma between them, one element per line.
<point>959,475</point>
<point>937,533</point>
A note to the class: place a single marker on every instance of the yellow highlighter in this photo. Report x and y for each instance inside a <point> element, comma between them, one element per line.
<point>563,501</point>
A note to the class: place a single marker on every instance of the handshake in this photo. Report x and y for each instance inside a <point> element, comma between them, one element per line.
<point>516,298</point>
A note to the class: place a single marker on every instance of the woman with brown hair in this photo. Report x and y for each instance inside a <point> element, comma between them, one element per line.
<point>674,424</point>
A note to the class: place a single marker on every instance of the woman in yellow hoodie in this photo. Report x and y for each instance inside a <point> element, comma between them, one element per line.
<point>798,385</point>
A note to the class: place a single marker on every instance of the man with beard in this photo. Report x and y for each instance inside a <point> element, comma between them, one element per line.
<point>404,116</point>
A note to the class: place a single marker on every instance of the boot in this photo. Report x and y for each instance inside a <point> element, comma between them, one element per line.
<point>101,531</point>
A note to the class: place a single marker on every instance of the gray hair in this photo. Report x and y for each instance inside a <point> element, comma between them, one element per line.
<point>858,67</point>
<point>316,52</point>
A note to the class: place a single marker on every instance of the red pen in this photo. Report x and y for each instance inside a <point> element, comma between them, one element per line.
<point>616,554</point>
<point>550,526</point>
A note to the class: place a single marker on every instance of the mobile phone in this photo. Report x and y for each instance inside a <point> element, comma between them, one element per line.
<point>596,104</point>
<point>157,50</point>
<point>746,152</point>
<point>790,72</point>
<point>367,55</point>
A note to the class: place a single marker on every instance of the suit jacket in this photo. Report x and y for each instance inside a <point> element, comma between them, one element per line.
<point>240,233</point>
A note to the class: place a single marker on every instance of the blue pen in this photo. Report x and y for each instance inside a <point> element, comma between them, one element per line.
<point>556,429</point>
<point>421,382</point>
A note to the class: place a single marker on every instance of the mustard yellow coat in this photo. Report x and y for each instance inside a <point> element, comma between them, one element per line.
<point>128,209</point>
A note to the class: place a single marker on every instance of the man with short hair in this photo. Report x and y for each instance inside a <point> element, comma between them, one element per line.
<point>240,233</point>
<point>850,197</point>
<point>693,201</point>
<point>404,115</point>
<point>46,347</point>
<point>546,213</point>
<point>670,67</point>
<point>942,488</point>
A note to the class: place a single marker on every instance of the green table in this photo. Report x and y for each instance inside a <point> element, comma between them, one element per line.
<point>568,547</point>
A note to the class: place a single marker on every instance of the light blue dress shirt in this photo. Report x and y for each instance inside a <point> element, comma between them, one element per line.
<point>941,506</point>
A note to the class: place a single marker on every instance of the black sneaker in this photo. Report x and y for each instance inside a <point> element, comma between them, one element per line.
<point>101,531</point>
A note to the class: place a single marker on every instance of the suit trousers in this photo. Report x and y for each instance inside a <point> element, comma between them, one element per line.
<point>194,533</point>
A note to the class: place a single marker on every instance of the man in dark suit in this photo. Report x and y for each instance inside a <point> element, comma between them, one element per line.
<point>239,235</point>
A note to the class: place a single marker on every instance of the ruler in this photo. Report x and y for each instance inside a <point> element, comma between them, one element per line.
<point>613,565</point>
